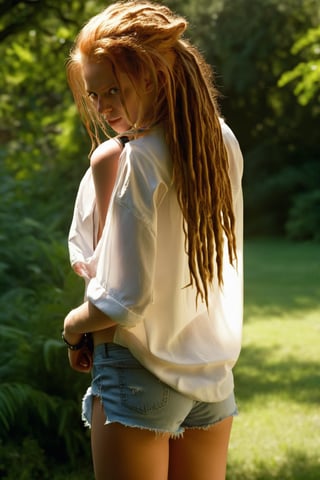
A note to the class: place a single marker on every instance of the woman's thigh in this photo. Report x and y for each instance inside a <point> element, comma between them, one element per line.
<point>201,454</point>
<point>126,453</point>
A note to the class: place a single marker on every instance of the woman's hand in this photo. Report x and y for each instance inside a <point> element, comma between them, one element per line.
<point>79,321</point>
<point>81,360</point>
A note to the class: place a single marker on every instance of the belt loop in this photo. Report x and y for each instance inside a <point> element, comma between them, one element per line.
<point>106,350</point>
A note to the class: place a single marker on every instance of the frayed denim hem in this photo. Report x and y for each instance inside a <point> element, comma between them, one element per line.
<point>86,413</point>
<point>207,427</point>
<point>87,416</point>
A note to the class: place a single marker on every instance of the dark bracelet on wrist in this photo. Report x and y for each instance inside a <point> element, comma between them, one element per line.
<point>77,346</point>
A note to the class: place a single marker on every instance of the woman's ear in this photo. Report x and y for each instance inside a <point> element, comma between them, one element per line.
<point>148,85</point>
<point>148,82</point>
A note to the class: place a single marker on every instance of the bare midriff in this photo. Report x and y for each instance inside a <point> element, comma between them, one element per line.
<point>104,336</point>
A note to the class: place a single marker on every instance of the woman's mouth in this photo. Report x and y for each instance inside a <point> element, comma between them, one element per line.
<point>112,121</point>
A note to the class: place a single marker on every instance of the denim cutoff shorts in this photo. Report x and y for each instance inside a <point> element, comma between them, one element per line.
<point>133,396</point>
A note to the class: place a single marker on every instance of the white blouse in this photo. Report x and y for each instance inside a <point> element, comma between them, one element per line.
<point>138,272</point>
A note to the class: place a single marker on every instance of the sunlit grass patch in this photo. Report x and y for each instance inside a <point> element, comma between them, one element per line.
<point>278,377</point>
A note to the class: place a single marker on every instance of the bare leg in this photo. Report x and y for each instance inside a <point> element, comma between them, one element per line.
<point>201,454</point>
<point>126,453</point>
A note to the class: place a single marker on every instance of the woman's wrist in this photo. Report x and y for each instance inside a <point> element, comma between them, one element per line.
<point>74,342</point>
<point>86,340</point>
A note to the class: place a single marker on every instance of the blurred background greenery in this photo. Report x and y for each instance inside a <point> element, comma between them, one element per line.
<point>266,57</point>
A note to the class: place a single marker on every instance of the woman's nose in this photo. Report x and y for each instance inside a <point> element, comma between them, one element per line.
<point>103,106</point>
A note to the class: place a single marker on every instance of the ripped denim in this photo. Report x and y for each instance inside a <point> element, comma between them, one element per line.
<point>133,396</point>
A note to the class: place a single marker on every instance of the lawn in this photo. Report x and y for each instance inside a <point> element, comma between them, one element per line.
<point>277,433</point>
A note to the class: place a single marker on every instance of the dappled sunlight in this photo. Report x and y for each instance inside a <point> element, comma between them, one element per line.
<point>304,309</point>
<point>276,296</point>
<point>260,375</point>
<point>278,439</point>
<point>280,356</point>
<point>276,434</point>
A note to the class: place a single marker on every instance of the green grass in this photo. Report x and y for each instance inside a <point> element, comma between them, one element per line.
<point>277,434</point>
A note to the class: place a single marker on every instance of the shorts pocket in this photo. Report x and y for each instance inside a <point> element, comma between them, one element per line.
<point>141,391</point>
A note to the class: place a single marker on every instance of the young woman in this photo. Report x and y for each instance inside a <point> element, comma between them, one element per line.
<point>162,253</point>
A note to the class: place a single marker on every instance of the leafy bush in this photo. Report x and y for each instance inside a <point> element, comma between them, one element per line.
<point>23,462</point>
<point>40,396</point>
<point>304,217</point>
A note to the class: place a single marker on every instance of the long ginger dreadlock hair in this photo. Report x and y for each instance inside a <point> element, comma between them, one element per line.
<point>140,36</point>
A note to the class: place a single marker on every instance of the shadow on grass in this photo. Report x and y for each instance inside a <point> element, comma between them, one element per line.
<point>281,277</point>
<point>296,466</point>
<point>258,374</point>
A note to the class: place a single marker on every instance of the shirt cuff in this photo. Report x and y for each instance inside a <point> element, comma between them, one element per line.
<point>106,302</point>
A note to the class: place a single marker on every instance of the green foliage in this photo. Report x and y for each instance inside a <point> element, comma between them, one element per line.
<point>15,397</point>
<point>250,47</point>
<point>43,154</point>
<point>304,217</point>
<point>23,462</point>
<point>307,72</point>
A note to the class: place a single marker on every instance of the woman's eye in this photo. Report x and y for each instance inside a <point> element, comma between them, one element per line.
<point>113,91</point>
<point>92,95</point>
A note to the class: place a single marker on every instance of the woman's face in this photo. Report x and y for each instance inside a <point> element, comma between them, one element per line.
<point>103,89</point>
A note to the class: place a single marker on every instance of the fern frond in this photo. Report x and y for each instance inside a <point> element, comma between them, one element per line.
<point>18,397</point>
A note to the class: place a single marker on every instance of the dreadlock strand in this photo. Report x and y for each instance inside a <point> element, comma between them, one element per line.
<point>213,183</point>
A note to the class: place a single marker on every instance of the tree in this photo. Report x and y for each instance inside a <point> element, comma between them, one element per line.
<point>250,48</point>
<point>304,216</point>
<point>306,73</point>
